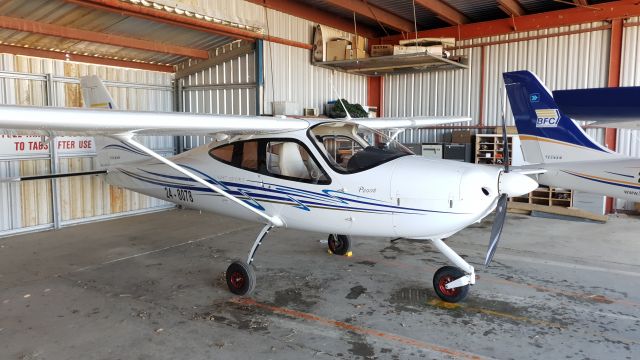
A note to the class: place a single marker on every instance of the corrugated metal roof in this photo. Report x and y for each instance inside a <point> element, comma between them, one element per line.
<point>61,13</point>
<point>425,18</point>
<point>478,10</point>
<point>475,10</point>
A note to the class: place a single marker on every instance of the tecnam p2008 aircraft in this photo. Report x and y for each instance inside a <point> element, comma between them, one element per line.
<point>553,142</point>
<point>338,177</point>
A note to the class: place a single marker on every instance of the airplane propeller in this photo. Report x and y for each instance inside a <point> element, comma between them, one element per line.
<point>501,209</point>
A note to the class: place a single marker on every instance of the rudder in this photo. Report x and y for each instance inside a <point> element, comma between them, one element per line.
<point>547,135</point>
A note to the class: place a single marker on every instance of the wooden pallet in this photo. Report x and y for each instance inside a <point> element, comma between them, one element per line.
<point>524,208</point>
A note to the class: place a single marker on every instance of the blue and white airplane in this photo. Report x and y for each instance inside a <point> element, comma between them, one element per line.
<point>554,142</point>
<point>339,177</point>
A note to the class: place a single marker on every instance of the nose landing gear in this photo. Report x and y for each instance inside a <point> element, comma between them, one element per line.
<point>452,283</point>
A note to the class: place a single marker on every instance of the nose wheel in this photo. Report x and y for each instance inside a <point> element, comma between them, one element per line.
<point>447,275</point>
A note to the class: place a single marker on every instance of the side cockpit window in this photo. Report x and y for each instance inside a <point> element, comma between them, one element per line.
<point>291,160</point>
<point>280,158</point>
<point>241,154</point>
<point>223,153</point>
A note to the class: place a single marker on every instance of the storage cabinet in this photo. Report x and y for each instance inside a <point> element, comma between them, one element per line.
<point>488,149</point>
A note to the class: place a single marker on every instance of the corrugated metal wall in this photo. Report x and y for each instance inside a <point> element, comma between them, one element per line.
<point>228,88</point>
<point>562,62</point>
<point>578,60</point>
<point>289,75</point>
<point>30,205</point>
<point>628,141</point>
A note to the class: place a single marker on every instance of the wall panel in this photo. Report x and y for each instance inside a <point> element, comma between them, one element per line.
<point>563,62</point>
<point>29,205</point>
<point>628,141</point>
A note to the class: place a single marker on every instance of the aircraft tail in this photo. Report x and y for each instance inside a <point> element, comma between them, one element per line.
<point>95,94</point>
<point>546,134</point>
<point>111,152</point>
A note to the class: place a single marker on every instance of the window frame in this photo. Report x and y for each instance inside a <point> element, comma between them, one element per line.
<point>331,162</point>
<point>262,143</point>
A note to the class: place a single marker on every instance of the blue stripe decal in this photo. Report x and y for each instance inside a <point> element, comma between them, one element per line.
<point>327,195</point>
<point>300,198</point>
<point>124,148</point>
<point>613,173</point>
<point>604,181</point>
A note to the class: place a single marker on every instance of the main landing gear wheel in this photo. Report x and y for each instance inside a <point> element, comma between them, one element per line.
<point>241,279</point>
<point>445,275</point>
<point>339,244</point>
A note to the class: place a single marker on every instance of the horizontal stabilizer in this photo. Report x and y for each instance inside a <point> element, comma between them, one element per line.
<point>602,104</point>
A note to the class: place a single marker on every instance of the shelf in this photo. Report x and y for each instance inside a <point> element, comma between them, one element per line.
<point>544,196</point>
<point>394,64</point>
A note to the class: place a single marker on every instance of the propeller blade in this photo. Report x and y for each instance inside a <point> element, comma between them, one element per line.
<point>505,145</point>
<point>496,229</point>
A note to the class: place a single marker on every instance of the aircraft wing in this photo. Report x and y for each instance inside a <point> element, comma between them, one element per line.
<point>72,121</point>
<point>409,122</point>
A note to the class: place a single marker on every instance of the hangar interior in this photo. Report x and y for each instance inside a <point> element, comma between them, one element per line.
<point>256,57</point>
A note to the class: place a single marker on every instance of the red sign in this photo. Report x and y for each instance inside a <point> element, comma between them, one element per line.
<point>20,145</point>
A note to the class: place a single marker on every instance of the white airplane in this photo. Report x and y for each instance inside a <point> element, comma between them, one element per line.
<point>338,177</point>
<point>553,142</point>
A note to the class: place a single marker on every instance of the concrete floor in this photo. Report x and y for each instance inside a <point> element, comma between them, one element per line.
<point>152,287</point>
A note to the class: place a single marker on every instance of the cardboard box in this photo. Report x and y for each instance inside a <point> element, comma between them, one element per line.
<point>431,50</point>
<point>450,42</point>
<point>359,42</point>
<point>336,49</point>
<point>381,50</point>
<point>353,54</point>
<point>511,130</point>
<point>285,108</point>
<point>461,137</point>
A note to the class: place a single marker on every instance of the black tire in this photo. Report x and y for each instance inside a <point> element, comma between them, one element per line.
<point>445,275</point>
<point>241,279</point>
<point>339,244</point>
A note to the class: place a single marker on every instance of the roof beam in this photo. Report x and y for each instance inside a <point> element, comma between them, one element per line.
<point>511,7</point>
<point>48,54</point>
<point>551,19</point>
<point>444,11</point>
<point>37,27</point>
<point>161,16</point>
<point>375,13</point>
<point>581,2</point>
<point>305,11</point>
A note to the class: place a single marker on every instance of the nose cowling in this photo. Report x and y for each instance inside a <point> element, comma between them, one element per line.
<point>515,184</point>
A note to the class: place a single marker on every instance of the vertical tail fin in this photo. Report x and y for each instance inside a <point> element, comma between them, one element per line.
<point>547,135</point>
<point>94,94</point>
<point>110,151</point>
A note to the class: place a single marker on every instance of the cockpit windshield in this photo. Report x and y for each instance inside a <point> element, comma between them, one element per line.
<point>350,148</point>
